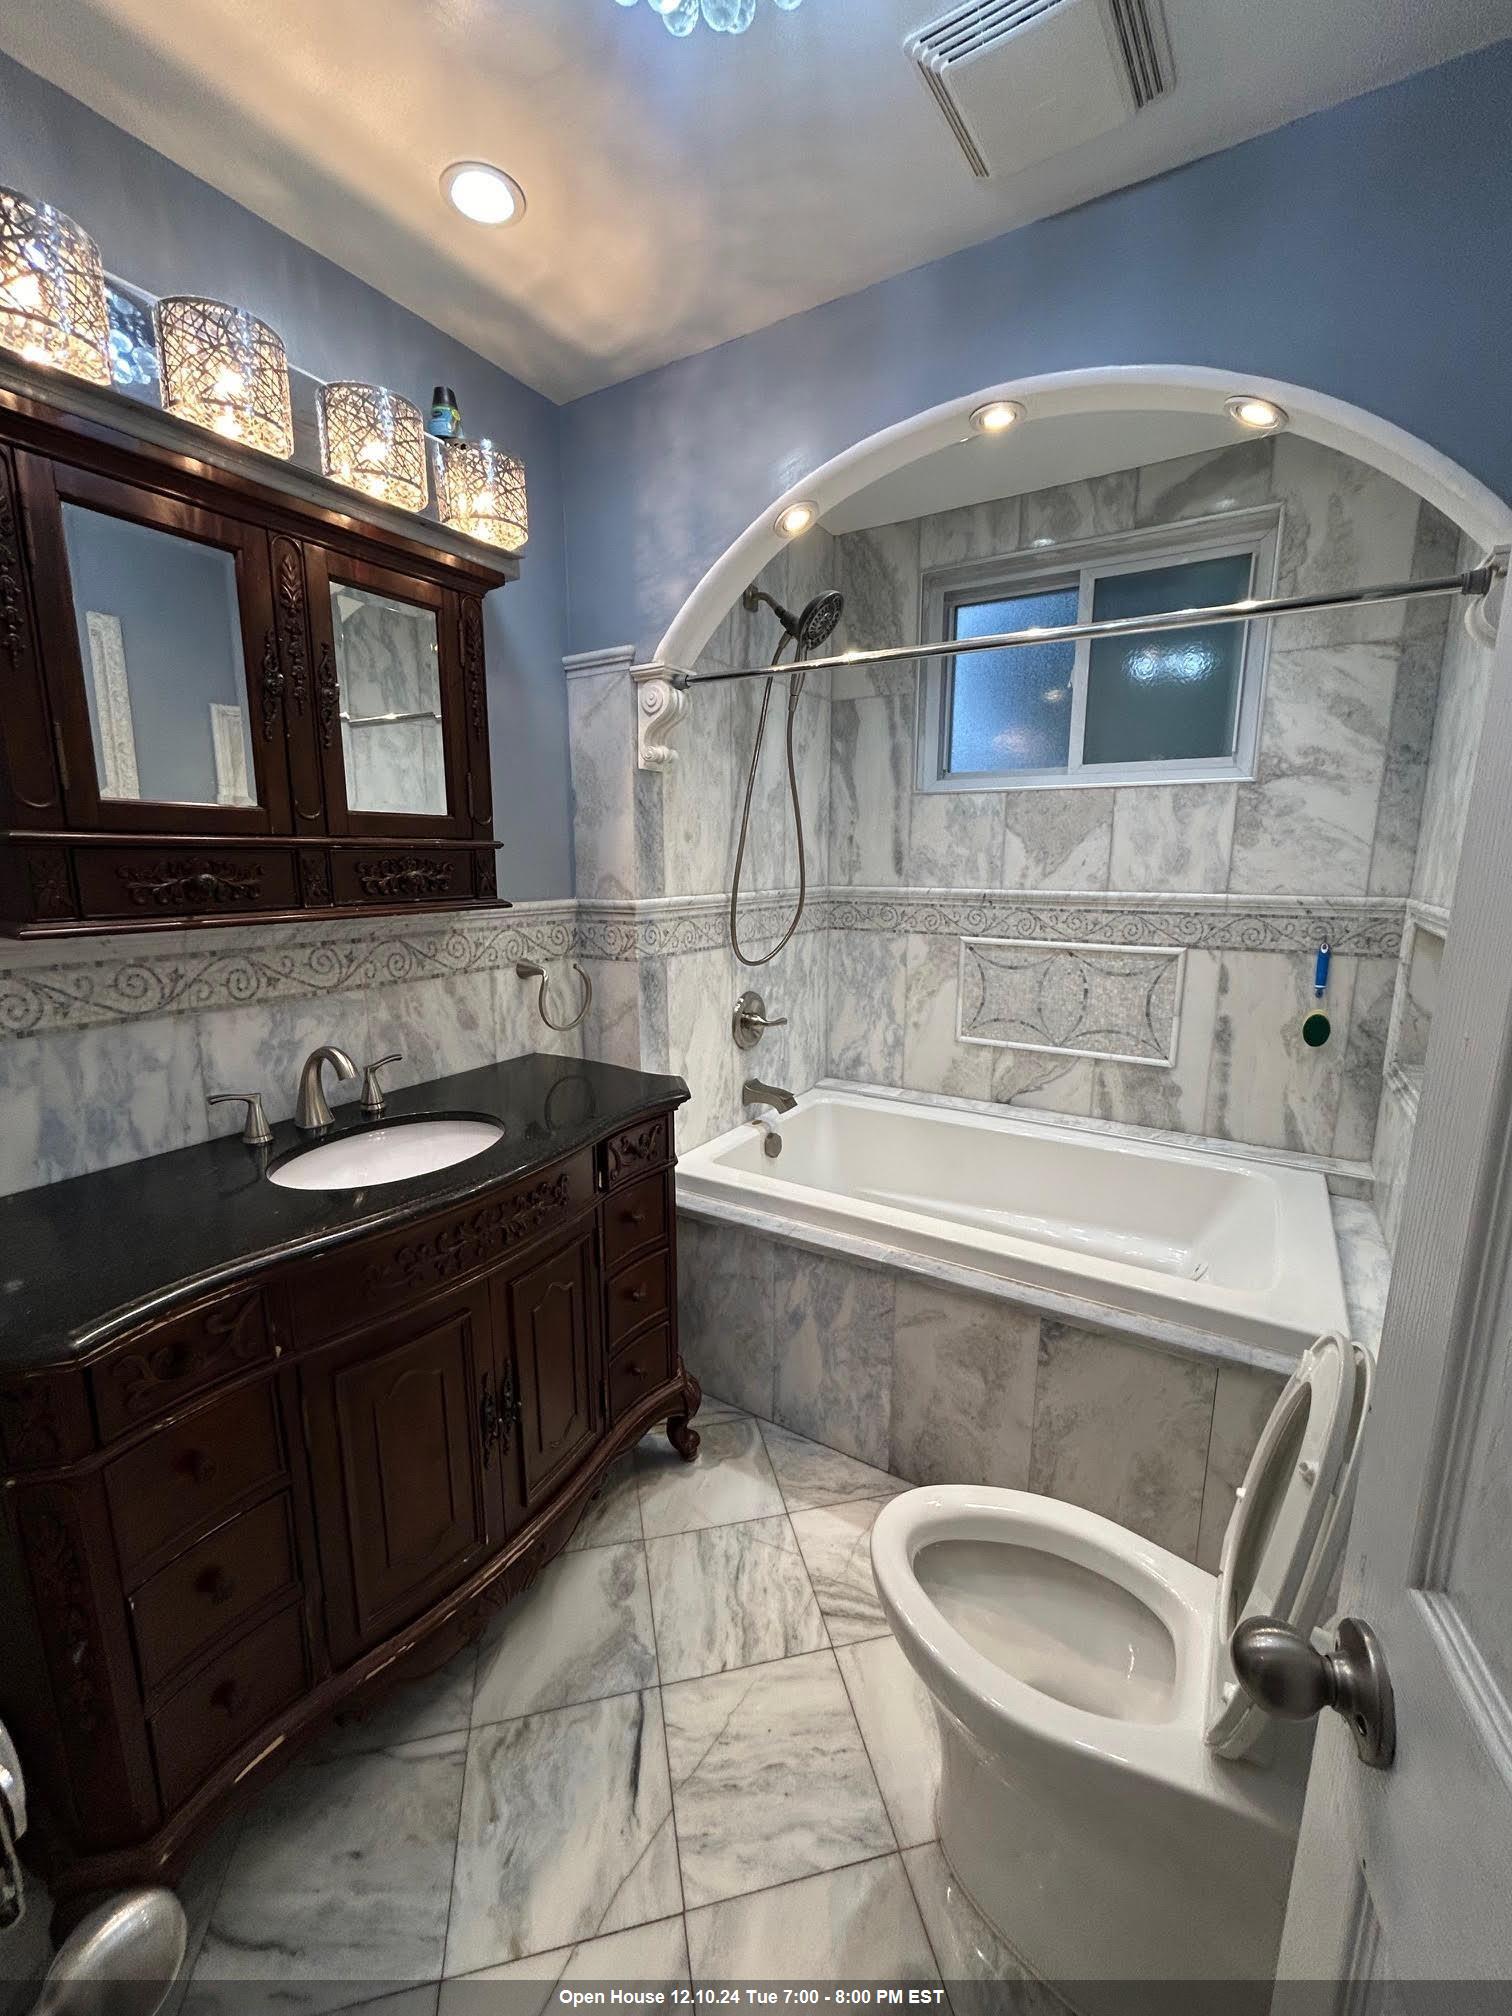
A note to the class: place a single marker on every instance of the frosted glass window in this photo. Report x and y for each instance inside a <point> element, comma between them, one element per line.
<point>1011,710</point>
<point>1171,697</point>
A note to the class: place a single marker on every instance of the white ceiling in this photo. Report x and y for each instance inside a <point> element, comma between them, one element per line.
<point>680,192</point>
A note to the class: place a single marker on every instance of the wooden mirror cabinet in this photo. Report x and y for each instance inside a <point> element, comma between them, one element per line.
<point>229,694</point>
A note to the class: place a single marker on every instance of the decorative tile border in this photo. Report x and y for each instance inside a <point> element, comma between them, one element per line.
<point>284,963</point>
<point>1119,1003</point>
<point>93,983</point>
<point>1370,927</point>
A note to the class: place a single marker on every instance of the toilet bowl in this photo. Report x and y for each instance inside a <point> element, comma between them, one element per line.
<point>1109,1799</point>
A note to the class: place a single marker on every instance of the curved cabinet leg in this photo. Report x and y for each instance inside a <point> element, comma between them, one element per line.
<point>680,1430</point>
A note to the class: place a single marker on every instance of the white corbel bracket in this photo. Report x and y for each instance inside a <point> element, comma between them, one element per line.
<point>1483,615</point>
<point>659,707</point>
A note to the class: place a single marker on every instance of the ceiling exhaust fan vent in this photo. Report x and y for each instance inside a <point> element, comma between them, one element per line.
<point>1019,80</point>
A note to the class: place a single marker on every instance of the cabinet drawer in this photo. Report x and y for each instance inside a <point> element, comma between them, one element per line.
<point>636,1294</point>
<point>176,1481</point>
<point>223,1578</point>
<point>226,1704</point>
<point>638,1368</point>
<point>191,1350</point>
<point>222,881</point>
<point>634,1219</point>
<point>639,1149</point>
<point>382,1274</point>
<point>395,876</point>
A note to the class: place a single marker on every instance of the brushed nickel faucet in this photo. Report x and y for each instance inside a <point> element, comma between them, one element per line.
<point>311,1111</point>
<point>754,1093</point>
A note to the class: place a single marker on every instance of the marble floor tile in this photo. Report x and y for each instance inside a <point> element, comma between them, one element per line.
<point>433,1705</point>
<point>810,1474</point>
<point>986,1976</point>
<point>339,1881</point>
<point>712,1409</point>
<point>612,1516</point>
<point>729,1596</point>
<point>836,1544</point>
<point>581,1632</point>
<point>730,1480</point>
<point>901,1734</point>
<point>566,1832</point>
<point>855,1924</point>
<point>772,1780</point>
<point>648,1957</point>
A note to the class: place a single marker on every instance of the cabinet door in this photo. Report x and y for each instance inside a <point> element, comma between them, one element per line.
<point>551,1328</point>
<point>161,657</point>
<point>389,719</point>
<point>407,1497</point>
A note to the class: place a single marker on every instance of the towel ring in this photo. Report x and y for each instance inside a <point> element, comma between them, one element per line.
<point>528,970</point>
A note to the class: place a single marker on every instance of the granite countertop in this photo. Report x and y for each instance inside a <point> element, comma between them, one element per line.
<point>82,1260</point>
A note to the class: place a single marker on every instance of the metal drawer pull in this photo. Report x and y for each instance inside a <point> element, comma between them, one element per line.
<point>228,1697</point>
<point>637,1371</point>
<point>632,1217</point>
<point>637,1294</point>
<point>215,1585</point>
<point>196,1465</point>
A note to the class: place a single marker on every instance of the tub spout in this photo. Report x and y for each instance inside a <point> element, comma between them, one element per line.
<point>754,1093</point>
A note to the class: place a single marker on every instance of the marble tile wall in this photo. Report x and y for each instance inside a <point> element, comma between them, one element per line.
<point>108,1049</point>
<point>939,1385</point>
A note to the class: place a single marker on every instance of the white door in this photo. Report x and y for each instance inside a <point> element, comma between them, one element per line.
<point>1406,1874</point>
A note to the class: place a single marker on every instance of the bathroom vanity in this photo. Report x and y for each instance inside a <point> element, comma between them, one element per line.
<point>267,1451</point>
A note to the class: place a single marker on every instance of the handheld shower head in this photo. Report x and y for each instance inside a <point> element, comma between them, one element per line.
<point>814,622</point>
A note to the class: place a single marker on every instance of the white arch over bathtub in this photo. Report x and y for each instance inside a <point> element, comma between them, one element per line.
<point>1174,388</point>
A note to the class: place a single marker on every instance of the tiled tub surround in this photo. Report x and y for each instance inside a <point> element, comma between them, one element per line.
<point>1325,837</point>
<point>1241,1253</point>
<point>107,1051</point>
<point>943,1383</point>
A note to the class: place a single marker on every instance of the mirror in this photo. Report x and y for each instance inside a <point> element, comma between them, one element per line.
<point>160,644</point>
<point>388,658</point>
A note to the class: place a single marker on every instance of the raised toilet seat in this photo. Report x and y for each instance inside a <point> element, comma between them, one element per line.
<point>1109,1799</point>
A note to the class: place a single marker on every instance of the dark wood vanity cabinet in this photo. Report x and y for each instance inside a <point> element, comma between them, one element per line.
<point>228,700</point>
<point>259,1509</point>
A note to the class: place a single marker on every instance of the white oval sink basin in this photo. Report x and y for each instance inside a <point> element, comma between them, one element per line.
<point>386,1154</point>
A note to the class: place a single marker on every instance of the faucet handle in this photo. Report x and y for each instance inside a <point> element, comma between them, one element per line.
<point>750,1022</point>
<point>372,1091</point>
<point>256,1132</point>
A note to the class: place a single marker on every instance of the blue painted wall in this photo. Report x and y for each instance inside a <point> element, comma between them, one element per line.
<point>165,230</point>
<point>1365,251</point>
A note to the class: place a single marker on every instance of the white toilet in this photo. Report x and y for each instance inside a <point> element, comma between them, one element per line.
<point>1110,1799</point>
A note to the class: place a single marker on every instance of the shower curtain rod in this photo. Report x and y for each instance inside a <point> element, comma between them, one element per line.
<point>1478,581</point>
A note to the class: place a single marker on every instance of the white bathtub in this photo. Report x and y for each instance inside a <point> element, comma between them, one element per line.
<point>1208,1242</point>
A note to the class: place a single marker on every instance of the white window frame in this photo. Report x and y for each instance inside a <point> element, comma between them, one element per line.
<point>1081,564</point>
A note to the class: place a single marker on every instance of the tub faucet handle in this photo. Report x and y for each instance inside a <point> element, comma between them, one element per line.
<point>750,1021</point>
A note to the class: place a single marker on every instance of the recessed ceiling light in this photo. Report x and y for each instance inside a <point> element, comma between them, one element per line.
<point>483,194</point>
<point>1261,416</point>
<point>996,416</point>
<point>795,518</point>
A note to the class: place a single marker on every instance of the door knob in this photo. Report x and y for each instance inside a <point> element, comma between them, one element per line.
<point>1285,1675</point>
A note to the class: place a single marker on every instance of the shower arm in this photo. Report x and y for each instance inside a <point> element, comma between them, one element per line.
<point>1477,582</point>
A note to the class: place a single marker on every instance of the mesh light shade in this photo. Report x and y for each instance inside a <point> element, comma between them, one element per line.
<point>52,290</point>
<point>373,441</point>
<point>481,490</point>
<point>225,370</point>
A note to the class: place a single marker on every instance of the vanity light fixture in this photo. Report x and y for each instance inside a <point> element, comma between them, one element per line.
<point>793,519</point>
<point>725,17</point>
<point>52,290</point>
<point>481,491</point>
<point>484,194</point>
<point>1261,416</point>
<point>225,370</point>
<point>373,441</point>
<point>997,416</point>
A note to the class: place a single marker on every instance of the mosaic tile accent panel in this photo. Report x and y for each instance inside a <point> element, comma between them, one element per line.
<point>1117,1002</point>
